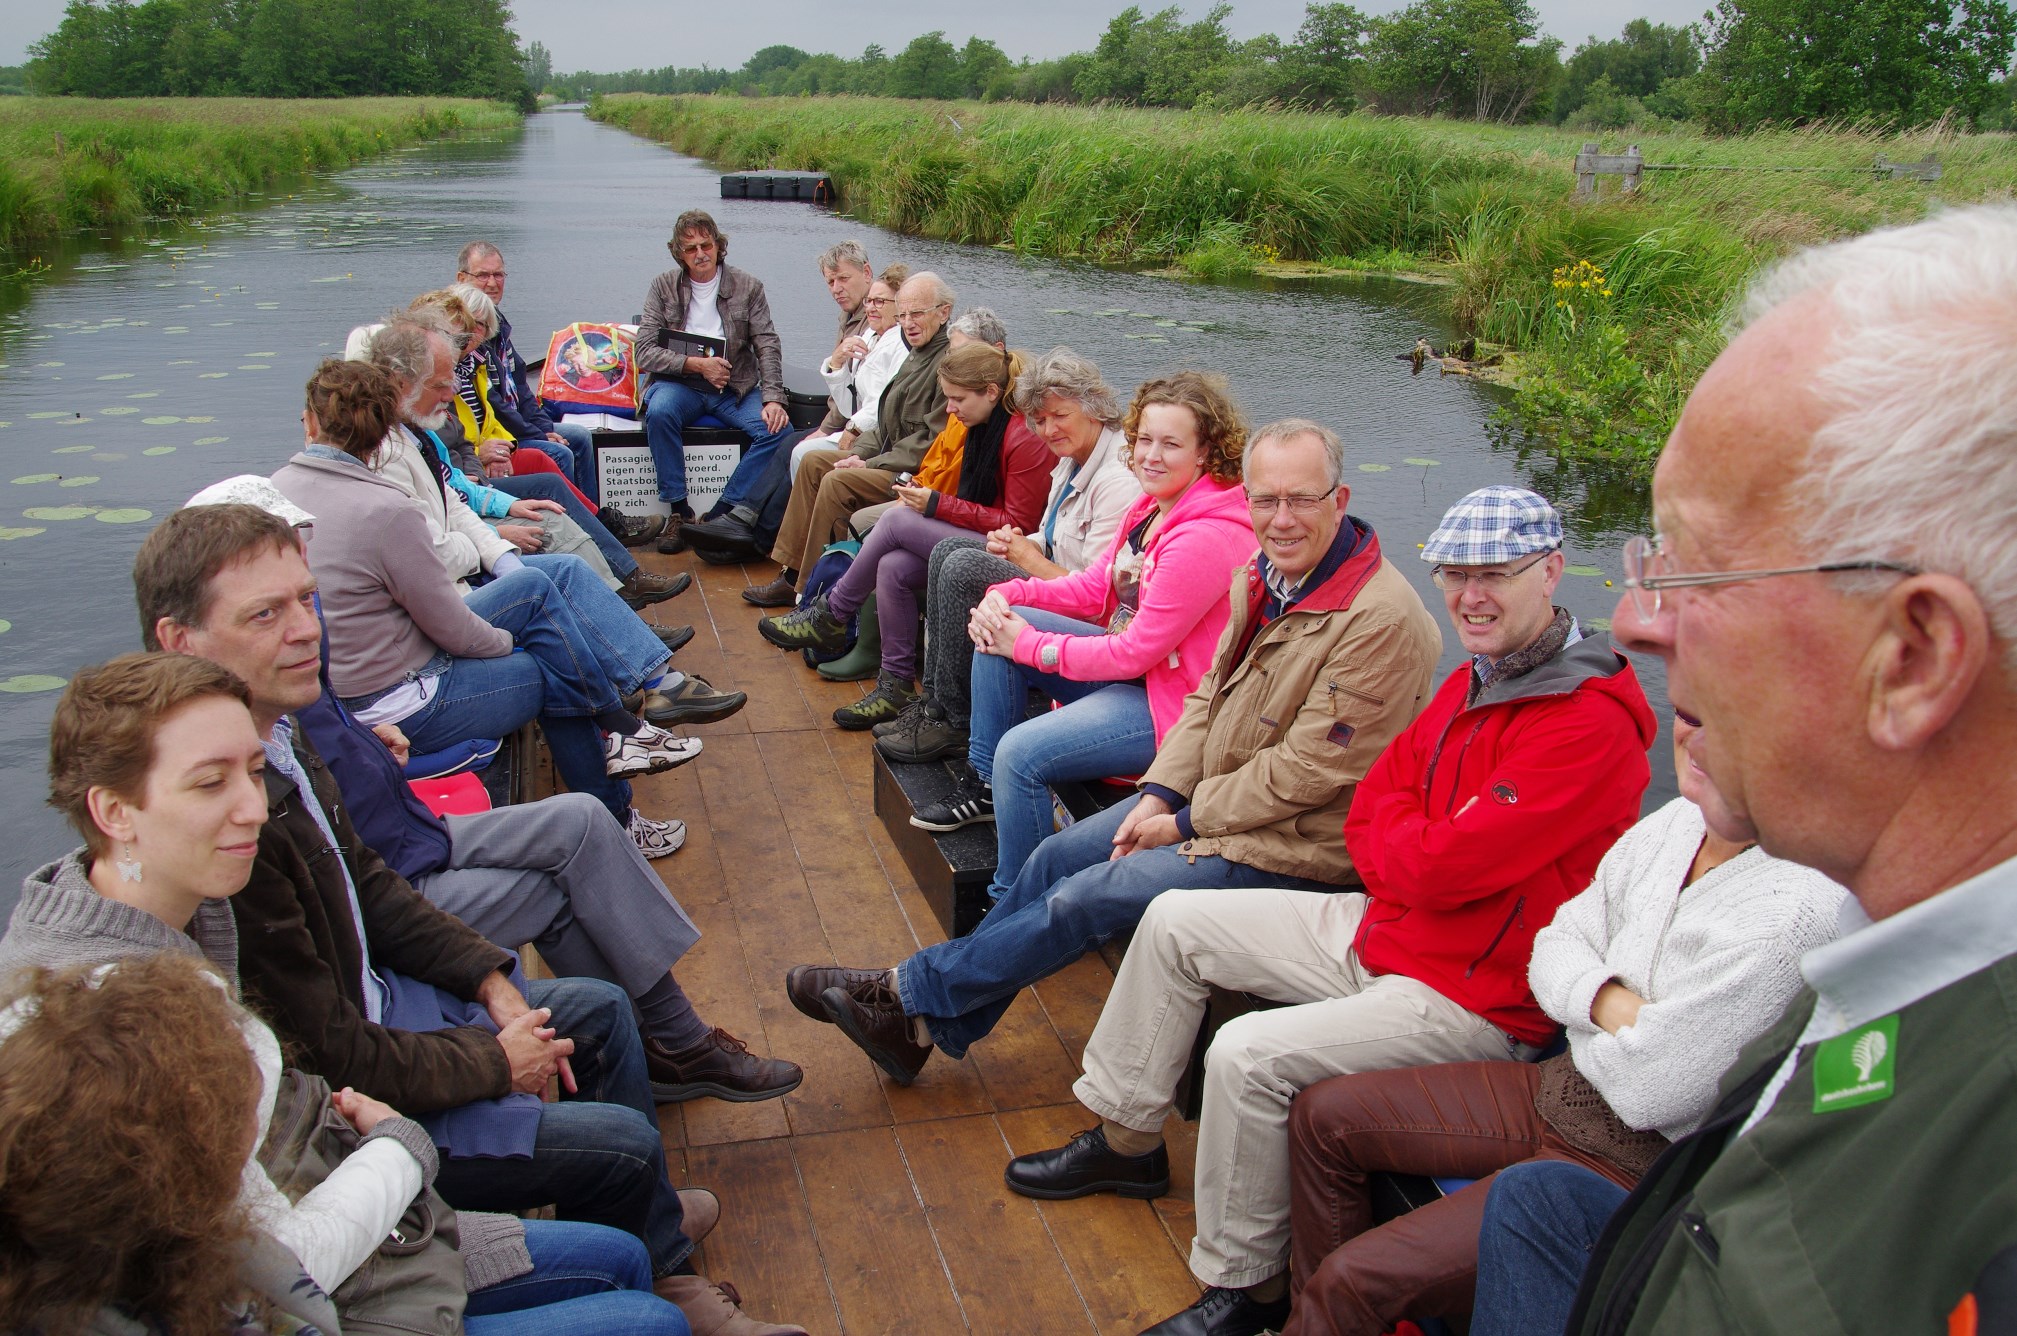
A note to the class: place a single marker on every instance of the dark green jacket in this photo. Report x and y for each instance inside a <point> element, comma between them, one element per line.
<point>1871,1219</point>
<point>911,412</point>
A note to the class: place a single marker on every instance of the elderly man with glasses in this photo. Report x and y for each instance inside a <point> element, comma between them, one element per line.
<point>1488,812</point>
<point>1832,596</point>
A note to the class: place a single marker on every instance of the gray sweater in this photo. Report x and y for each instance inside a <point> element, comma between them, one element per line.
<point>62,921</point>
<point>388,602</point>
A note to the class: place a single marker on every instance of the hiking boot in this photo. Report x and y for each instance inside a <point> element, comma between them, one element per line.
<point>891,694</point>
<point>809,627</point>
<point>873,1018</point>
<point>931,737</point>
<point>970,803</point>
<point>672,539</point>
<point>720,1065</point>
<point>674,639</point>
<point>630,530</point>
<point>908,719</point>
<point>779,593</point>
<point>724,534</point>
<point>649,751</point>
<point>656,839</point>
<point>693,701</point>
<point>714,1310</point>
<point>642,589</point>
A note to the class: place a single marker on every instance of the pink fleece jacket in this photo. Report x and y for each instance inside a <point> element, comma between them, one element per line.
<point>1186,571</point>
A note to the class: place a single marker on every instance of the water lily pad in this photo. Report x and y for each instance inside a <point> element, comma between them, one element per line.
<point>59,512</point>
<point>123,516</point>
<point>1059,310</point>
<point>145,394</point>
<point>259,354</point>
<point>161,420</point>
<point>159,450</point>
<point>213,375</point>
<point>5,626</point>
<point>333,278</point>
<point>117,375</point>
<point>210,440</point>
<point>1424,463</point>
<point>1590,571</point>
<point>199,418</point>
<point>125,411</point>
<point>267,306</point>
<point>27,478</point>
<point>81,480</point>
<point>1376,468</point>
<point>27,682</point>
<point>7,533</point>
<point>45,415</point>
<point>256,366</point>
<point>181,361</point>
<point>72,449</point>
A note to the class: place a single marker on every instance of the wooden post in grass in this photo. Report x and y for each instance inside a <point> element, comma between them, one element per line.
<point>1929,170</point>
<point>1591,164</point>
<point>1586,172</point>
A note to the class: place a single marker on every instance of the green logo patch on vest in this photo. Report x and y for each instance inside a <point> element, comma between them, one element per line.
<point>1860,1067</point>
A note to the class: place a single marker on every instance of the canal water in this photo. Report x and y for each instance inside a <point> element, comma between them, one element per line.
<point>139,369</point>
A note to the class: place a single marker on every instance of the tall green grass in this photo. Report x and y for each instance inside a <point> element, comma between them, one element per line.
<point>1492,207</point>
<point>70,164</point>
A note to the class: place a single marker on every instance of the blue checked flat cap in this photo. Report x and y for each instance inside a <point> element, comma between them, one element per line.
<point>1494,525</point>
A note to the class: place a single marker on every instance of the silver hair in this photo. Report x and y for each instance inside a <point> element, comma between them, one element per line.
<point>849,252</point>
<point>473,252</point>
<point>1069,376</point>
<point>403,348</point>
<point>1916,461</point>
<point>1288,429</point>
<point>982,324</point>
<point>941,295</point>
<point>477,302</point>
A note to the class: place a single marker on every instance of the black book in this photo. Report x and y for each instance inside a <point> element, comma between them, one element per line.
<point>692,345</point>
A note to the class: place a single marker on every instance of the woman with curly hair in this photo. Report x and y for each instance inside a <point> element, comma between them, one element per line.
<point>1118,645</point>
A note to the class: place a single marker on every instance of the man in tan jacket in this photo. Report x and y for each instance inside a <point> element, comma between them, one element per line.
<point>1328,655</point>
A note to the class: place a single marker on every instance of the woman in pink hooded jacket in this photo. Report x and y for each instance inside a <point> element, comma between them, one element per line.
<point>1118,645</point>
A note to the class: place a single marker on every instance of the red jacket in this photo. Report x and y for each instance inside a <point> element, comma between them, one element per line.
<point>1477,824</point>
<point>1026,464</point>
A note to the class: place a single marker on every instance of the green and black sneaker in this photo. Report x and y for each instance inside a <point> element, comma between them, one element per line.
<point>887,701</point>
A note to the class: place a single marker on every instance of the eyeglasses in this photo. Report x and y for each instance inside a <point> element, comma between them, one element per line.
<point>1453,578</point>
<point>877,301</point>
<point>696,248</point>
<point>1299,503</point>
<point>1646,574</point>
<point>924,311</point>
<point>483,273</point>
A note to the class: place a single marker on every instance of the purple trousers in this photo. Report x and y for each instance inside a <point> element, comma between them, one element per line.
<point>893,562</point>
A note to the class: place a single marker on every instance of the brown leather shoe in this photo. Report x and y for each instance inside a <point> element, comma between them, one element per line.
<point>672,540</point>
<point>721,1066</point>
<point>779,593</point>
<point>804,983</point>
<point>714,1309</point>
<point>642,588</point>
<point>879,1028</point>
<point>699,1212</point>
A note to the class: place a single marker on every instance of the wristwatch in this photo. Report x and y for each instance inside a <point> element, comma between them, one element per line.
<point>1048,657</point>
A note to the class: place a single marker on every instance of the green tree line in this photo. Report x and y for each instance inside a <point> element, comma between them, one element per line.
<point>282,48</point>
<point>1748,64</point>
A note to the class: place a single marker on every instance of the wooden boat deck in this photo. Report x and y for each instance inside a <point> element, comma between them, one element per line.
<point>854,1205</point>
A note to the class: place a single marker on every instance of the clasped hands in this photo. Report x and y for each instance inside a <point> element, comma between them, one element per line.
<point>533,1048</point>
<point>994,627</point>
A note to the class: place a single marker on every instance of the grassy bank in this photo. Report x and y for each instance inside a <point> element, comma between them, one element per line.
<point>69,164</point>
<point>1613,307</point>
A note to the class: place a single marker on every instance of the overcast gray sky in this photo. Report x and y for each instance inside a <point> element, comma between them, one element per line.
<point>609,35</point>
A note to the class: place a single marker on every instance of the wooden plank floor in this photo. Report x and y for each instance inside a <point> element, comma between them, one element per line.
<point>854,1205</point>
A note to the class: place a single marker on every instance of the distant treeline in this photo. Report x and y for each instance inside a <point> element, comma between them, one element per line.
<point>1749,63</point>
<point>282,48</point>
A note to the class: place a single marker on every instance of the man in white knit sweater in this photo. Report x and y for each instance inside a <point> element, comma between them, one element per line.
<point>1682,950</point>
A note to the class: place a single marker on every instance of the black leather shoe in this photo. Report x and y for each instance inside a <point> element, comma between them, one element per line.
<point>804,983</point>
<point>879,1028</point>
<point>724,534</point>
<point>1221,1312</point>
<point>1087,1165</point>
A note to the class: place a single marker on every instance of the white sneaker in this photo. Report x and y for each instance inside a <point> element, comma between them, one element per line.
<point>656,839</point>
<point>649,751</point>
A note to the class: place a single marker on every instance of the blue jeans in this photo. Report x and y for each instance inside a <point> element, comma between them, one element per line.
<point>671,406</point>
<point>628,653</point>
<point>1103,729</point>
<point>598,1157</point>
<point>576,458</point>
<point>553,676</point>
<point>549,487</point>
<point>1067,899</point>
<point>583,1278</point>
<point>1542,1220</point>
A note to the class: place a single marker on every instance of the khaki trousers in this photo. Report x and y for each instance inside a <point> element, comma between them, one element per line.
<point>821,497</point>
<point>1287,946</point>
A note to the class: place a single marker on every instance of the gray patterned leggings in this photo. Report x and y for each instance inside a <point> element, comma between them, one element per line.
<point>962,569</point>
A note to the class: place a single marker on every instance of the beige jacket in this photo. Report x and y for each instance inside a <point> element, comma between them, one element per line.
<point>1271,746</point>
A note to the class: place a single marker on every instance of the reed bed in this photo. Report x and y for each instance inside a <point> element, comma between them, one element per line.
<point>75,164</point>
<point>1602,368</point>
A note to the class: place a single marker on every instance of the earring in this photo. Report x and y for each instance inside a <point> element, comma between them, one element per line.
<point>129,866</point>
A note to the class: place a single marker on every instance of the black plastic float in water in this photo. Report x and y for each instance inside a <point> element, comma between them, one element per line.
<point>805,187</point>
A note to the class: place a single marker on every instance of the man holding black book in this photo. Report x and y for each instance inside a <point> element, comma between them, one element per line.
<point>707,348</point>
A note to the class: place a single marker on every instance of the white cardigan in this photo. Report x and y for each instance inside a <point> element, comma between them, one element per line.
<point>1717,962</point>
<point>867,376</point>
<point>465,544</point>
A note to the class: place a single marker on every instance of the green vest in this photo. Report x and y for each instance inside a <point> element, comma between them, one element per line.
<point>1871,1217</point>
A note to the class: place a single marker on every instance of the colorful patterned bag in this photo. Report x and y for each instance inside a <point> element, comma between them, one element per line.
<point>590,368</point>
